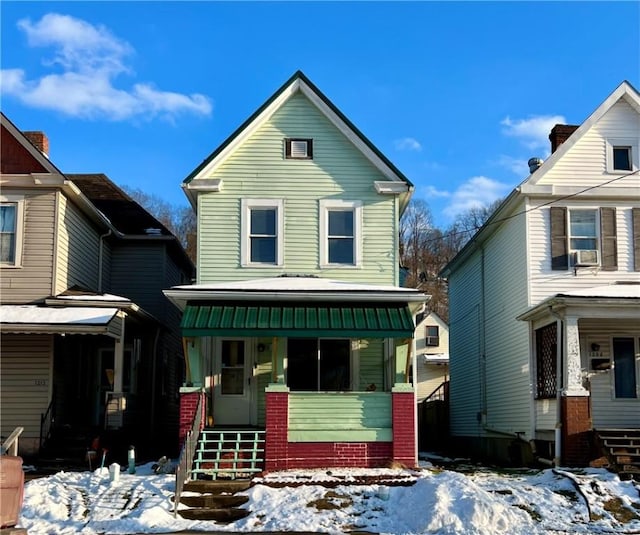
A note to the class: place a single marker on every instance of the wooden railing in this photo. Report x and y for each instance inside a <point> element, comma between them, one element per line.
<point>185,461</point>
<point>10,446</point>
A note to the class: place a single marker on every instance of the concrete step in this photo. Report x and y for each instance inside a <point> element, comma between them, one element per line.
<point>217,486</point>
<point>210,501</point>
<point>222,516</point>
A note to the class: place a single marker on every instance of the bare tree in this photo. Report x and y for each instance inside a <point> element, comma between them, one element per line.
<point>180,220</point>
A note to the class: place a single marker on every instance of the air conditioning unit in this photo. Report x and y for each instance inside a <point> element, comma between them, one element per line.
<point>586,257</point>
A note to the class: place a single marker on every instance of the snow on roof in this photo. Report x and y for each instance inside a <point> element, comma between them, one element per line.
<point>91,297</point>
<point>610,290</point>
<point>436,358</point>
<point>294,283</point>
<point>34,314</point>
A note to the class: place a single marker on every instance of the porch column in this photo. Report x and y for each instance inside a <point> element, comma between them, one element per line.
<point>576,414</point>
<point>403,421</point>
<point>118,359</point>
<point>277,427</point>
<point>116,403</point>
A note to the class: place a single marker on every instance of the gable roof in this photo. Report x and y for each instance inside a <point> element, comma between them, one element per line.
<point>299,83</point>
<point>624,91</point>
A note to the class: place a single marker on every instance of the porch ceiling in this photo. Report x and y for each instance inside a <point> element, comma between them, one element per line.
<point>298,320</point>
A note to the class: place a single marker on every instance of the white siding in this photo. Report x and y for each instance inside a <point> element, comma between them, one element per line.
<point>25,387</point>
<point>431,376</point>
<point>546,414</point>
<point>584,164</point>
<point>545,282</point>
<point>489,364</point>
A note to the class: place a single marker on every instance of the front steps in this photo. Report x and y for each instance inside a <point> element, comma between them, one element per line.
<point>215,500</point>
<point>229,454</point>
<point>622,448</point>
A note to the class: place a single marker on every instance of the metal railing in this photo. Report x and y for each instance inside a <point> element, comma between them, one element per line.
<point>46,422</point>
<point>185,461</point>
<point>439,394</point>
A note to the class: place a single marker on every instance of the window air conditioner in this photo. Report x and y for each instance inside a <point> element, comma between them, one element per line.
<point>586,257</point>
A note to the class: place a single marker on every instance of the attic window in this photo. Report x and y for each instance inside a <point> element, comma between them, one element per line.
<point>622,158</point>
<point>622,155</point>
<point>298,149</point>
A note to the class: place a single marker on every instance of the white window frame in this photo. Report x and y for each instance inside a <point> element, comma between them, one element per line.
<point>597,236</point>
<point>245,248</point>
<point>327,205</point>
<point>18,202</point>
<point>428,339</point>
<point>634,156</point>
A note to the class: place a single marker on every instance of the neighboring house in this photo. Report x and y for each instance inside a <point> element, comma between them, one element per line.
<point>297,325</point>
<point>90,345</point>
<point>545,300</point>
<point>432,354</point>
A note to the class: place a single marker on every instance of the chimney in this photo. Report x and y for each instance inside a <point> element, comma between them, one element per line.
<point>39,140</point>
<point>559,134</point>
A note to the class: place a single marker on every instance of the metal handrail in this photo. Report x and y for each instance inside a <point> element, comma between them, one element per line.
<point>46,422</point>
<point>439,394</point>
<point>185,461</point>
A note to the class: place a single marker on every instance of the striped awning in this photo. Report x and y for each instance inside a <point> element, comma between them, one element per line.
<point>298,320</point>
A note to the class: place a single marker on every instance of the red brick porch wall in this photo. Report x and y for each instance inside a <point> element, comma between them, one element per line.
<point>188,408</point>
<point>280,454</point>
<point>576,431</point>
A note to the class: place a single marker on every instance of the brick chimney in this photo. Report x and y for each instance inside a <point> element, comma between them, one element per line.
<point>559,134</point>
<point>39,140</point>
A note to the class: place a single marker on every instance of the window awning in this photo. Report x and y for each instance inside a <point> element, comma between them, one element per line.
<point>298,320</point>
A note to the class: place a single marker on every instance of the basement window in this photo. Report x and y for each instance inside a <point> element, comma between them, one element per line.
<point>298,149</point>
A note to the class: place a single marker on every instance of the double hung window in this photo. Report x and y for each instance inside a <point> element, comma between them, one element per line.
<point>262,229</point>
<point>10,232</point>
<point>340,233</point>
<point>432,337</point>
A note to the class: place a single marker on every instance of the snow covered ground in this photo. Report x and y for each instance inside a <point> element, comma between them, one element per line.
<point>467,500</point>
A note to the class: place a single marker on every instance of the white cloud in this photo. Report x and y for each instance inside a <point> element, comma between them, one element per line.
<point>517,166</point>
<point>91,59</point>
<point>432,191</point>
<point>532,132</point>
<point>477,192</point>
<point>408,143</point>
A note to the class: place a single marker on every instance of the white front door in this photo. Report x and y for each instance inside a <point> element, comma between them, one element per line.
<point>232,392</point>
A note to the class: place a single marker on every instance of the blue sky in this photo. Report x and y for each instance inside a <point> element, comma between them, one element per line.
<point>458,95</point>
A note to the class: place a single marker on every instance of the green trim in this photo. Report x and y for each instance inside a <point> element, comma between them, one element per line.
<point>298,319</point>
<point>329,435</point>
<point>297,75</point>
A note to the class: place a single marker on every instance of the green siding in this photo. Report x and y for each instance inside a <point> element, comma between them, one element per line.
<point>371,363</point>
<point>341,417</point>
<point>257,169</point>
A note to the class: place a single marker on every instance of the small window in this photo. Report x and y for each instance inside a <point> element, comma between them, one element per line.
<point>583,232</point>
<point>10,233</point>
<point>622,155</point>
<point>622,158</point>
<point>262,223</point>
<point>432,337</point>
<point>340,233</point>
<point>298,149</point>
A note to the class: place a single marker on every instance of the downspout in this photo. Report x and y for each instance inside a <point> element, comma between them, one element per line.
<point>100,254</point>
<point>557,457</point>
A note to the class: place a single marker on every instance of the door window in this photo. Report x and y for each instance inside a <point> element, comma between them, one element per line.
<point>232,372</point>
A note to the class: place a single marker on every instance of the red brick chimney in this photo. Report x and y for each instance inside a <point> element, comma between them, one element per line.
<point>559,134</point>
<point>39,140</point>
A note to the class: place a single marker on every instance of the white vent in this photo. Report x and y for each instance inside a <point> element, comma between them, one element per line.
<point>586,257</point>
<point>299,149</point>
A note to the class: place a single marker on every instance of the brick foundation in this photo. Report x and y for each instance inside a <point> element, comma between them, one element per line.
<point>188,407</point>
<point>576,431</point>
<point>280,454</point>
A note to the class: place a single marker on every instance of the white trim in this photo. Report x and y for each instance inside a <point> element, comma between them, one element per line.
<point>326,205</point>
<point>18,201</point>
<point>245,250</point>
<point>390,188</point>
<point>205,184</point>
<point>622,142</point>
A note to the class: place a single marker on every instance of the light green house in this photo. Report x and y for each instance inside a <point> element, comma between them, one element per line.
<point>296,325</point>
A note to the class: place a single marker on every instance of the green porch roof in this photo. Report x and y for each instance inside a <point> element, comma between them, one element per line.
<point>298,320</point>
